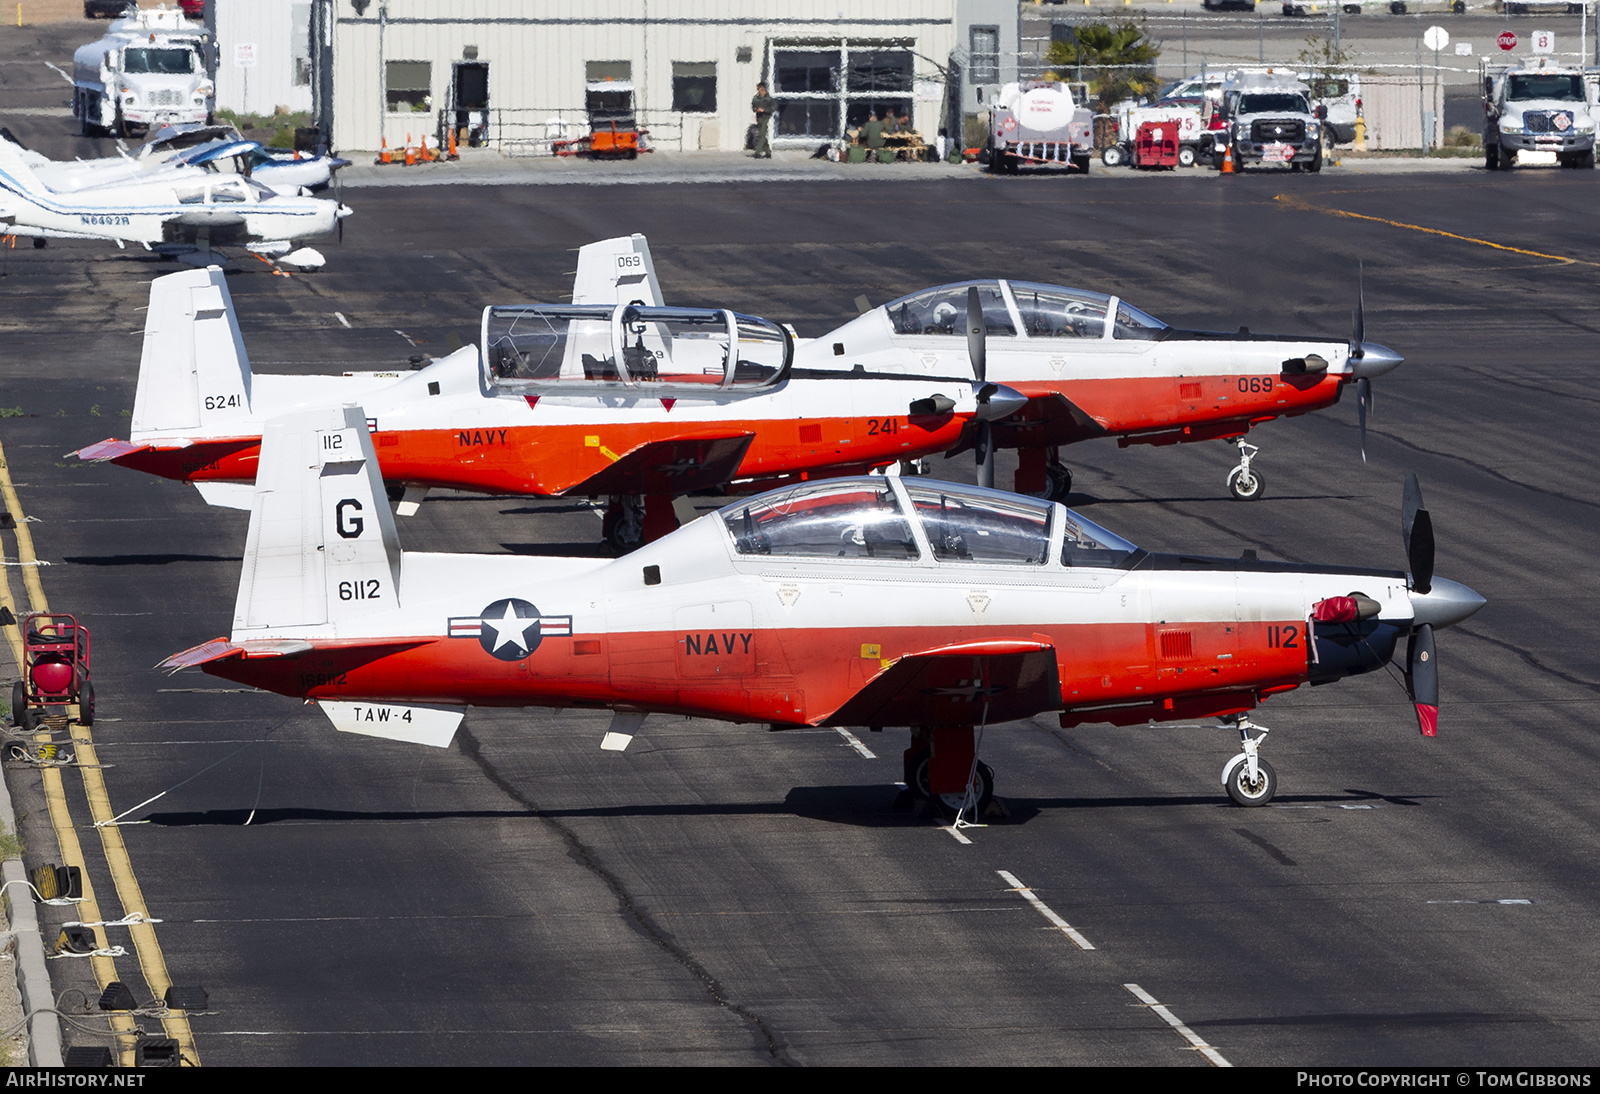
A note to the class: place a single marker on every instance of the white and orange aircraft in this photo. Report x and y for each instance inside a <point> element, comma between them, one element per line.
<point>871,601</point>
<point>1093,365</point>
<point>634,402</point>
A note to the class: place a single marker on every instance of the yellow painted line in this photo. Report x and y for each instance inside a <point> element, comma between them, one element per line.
<point>1292,202</point>
<point>148,949</point>
<point>25,553</point>
<point>105,969</point>
<point>151,961</point>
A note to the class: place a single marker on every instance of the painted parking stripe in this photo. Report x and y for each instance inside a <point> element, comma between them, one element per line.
<point>1044,909</point>
<point>855,742</point>
<point>1183,1031</point>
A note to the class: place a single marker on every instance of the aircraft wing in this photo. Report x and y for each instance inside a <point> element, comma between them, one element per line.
<point>971,683</point>
<point>670,467</point>
<point>1047,419</point>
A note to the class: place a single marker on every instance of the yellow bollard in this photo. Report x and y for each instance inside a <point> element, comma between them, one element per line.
<point>1360,143</point>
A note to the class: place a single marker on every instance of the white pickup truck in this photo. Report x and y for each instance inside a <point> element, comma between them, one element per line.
<point>149,70</point>
<point>1539,106</point>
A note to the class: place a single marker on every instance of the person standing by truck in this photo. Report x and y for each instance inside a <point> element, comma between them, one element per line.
<point>764,105</point>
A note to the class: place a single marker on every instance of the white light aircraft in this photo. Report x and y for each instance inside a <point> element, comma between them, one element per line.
<point>171,214</point>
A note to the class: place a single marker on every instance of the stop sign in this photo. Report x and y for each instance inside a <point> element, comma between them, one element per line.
<point>1507,41</point>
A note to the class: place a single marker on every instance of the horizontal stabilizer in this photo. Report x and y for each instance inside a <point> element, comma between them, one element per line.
<point>227,495</point>
<point>219,649</point>
<point>670,467</point>
<point>105,450</point>
<point>414,725</point>
<point>968,684</point>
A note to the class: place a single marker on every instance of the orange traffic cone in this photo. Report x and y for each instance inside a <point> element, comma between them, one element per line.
<point>426,156</point>
<point>453,154</point>
<point>411,153</point>
<point>383,153</point>
<point>1227,162</point>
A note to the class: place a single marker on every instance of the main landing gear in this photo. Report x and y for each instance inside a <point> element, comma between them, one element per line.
<point>943,769</point>
<point>1250,779</point>
<point>1245,483</point>
<point>632,520</point>
<point>1041,473</point>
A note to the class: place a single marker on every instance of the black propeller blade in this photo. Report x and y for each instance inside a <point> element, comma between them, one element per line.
<point>1363,411</point>
<point>1422,679</point>
<point>977,352</point>
<point>1416,529</point>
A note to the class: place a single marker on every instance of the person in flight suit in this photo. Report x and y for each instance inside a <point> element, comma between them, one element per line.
<point>764,106</point>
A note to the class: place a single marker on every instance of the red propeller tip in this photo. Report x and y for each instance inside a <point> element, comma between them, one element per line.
<point>1428,719</point>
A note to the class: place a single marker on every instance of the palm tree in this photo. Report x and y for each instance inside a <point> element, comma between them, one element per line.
<point>1120,59</point>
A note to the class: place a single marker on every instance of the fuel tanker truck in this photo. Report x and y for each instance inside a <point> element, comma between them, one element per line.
<point>1037,124</point>
<point>149,70</point>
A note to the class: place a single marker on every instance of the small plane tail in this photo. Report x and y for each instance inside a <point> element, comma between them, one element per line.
<point>194,373</point>
<point>616,271</point>
<point>322,547</point>
<point>16,173</point>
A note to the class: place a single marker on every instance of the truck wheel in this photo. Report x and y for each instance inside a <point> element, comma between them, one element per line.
<point>1316,164</point>
<point>1112,156</point>
<point>1186,157</point>
<point>1491,157</point>
<point>1508,160</point>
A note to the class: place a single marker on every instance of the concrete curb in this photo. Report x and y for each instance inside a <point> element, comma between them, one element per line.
<point>33,978</point>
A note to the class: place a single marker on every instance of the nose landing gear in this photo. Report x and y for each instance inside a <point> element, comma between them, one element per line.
<point>1243,482</point>
<point>1250,779</point>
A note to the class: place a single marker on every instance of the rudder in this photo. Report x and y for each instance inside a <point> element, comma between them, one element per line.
<point>194,372</point>
<point>322,546</point>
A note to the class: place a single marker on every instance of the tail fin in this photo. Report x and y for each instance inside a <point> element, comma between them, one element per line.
<point>16,173</point>
<point>616,271</point>
<point>322,547</point>
<point>194,373</point>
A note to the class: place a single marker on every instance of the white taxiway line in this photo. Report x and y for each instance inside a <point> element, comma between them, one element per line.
<point>339,315</point>
<point>1183,1031</point>
<point>855,742</point>
<point>1044,909</point>
<point>956,835</point>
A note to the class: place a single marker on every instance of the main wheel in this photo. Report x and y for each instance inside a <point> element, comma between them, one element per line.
<point>1057,481</point>
<point>1186,157</point>
<point>952,803</point>
<point>19,702</point>
<point>1259,792</point>
<point>86,704</point>
<point>1246,485</point>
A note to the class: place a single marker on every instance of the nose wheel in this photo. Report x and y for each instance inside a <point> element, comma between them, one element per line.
<point>1250,779</point>
<point>1244,482</point>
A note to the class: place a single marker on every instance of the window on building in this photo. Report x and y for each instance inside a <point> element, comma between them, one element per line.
<point>985,63</point>
<point>694,87</point>
<point>595,72</point>
<point>821,87</point>
<point>300,43</point>
<point>409,86</point>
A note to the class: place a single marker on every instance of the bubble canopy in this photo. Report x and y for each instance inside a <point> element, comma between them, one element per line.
<point>887,519</point>
<point>536,349</point>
